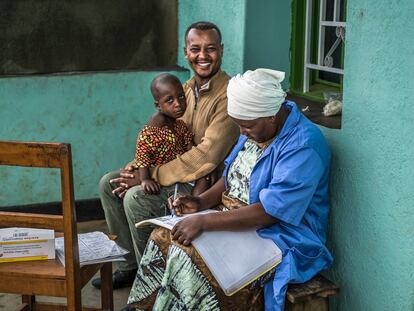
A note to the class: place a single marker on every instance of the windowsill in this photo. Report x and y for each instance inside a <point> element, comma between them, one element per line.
<point>314,112</point>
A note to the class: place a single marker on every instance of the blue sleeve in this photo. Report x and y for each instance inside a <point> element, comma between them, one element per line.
<point>294,180</point>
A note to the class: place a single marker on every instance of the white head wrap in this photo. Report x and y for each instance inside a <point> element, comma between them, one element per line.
<point>255,94</point>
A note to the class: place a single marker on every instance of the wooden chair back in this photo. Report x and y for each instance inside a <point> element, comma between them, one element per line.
<point>49,155</point>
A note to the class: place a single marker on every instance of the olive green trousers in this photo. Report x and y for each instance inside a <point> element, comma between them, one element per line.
<point>122,214</point>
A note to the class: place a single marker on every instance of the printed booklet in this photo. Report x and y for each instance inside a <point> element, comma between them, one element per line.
<point>235,258</point>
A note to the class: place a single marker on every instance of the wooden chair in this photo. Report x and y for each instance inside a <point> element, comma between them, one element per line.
<point>49,277</point>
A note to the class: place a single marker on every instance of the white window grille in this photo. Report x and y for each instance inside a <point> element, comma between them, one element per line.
<point>325,61</point>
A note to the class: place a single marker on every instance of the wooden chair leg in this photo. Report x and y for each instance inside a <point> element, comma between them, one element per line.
<point>107,298</point>
<point>23,307</point>
<point>29,302</point>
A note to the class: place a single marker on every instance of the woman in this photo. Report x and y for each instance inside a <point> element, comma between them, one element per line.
<point>276,179</point>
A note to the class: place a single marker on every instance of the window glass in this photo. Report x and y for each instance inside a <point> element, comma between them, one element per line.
<point>52,36</point>
<point>320,33</point>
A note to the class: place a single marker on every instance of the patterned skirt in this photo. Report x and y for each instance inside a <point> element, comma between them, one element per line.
<point>174,277</point>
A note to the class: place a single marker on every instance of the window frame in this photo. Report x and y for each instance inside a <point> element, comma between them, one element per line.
<point>317,86</point>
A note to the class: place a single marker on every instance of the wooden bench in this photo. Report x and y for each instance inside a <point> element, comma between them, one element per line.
<point>310,296</point>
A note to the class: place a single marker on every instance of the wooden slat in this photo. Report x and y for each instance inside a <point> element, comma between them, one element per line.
<point>23,307</point>
<point>60,307</point>
<point>88,271</point>
<point>32,154</point>
<point>318,286</point>
<point>41,306</point>
<point>315,304</point>
<point>41,269</point>
<point>107,300</point>
<point>33,286</point>
<point>29,300</point>
<point>72,267</point>
<point>30,220</point>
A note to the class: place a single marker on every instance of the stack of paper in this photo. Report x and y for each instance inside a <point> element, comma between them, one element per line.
<point>21,244</point>
<point>94,247</point>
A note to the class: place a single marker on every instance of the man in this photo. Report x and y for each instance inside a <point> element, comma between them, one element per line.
<point>124,201</point>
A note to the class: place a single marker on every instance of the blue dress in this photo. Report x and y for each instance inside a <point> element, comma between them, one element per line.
<point>290,180</point>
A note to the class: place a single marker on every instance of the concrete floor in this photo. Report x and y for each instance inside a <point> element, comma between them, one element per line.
<point>90,295</point>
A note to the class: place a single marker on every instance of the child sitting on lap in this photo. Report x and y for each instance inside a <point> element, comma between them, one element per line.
<point>164,136</point>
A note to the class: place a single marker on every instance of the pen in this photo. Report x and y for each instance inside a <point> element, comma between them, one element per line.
<point>174,197</point>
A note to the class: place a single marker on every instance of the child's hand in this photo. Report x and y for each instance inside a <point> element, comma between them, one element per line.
<point>150,186</point>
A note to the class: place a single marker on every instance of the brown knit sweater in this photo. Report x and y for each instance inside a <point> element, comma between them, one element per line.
<point>214,133</point>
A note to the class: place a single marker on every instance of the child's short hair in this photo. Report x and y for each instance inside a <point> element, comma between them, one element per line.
<point>162,78</point>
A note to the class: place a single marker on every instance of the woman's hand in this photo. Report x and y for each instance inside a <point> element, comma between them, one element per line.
<point>188,229</point>
<point>185,204</point>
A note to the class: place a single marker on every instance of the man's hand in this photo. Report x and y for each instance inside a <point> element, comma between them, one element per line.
<point>129,177</point>
<point>150,186</point>
<point>188,229</point>
<point>185,204</point>
<point>120,192</point>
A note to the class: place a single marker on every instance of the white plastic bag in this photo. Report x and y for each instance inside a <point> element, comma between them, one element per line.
<point>333,104</point>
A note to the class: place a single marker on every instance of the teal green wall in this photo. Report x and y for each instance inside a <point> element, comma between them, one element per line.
<point>267,36</point>
<point>99,114</point>
<point>371,231</point>
<point>228,15</point>
<point>371,228</point>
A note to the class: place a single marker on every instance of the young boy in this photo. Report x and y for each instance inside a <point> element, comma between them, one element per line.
<point>164,136</point>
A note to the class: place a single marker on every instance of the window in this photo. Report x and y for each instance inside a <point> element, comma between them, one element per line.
<point>318,43</point>
<point>49,36</point>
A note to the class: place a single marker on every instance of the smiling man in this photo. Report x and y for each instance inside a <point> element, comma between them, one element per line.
<point>123,199</point>
<point>203,51</point>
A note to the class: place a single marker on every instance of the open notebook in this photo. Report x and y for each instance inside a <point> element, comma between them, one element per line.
<point>235,258</point>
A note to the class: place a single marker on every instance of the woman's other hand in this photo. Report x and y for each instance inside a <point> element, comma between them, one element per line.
<point>188,229</point>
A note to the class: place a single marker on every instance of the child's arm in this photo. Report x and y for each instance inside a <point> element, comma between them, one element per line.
<point>143,159</point>
<point>149,185</point>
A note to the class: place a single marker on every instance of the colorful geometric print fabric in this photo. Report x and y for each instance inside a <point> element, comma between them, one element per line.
<point>175,278</point>
<point>167,286</point>
<point>159,145</point>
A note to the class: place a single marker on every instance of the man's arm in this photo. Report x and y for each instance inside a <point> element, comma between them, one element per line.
<point>218,139</point>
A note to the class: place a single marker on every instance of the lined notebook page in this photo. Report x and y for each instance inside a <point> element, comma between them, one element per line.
<point>237,258</point>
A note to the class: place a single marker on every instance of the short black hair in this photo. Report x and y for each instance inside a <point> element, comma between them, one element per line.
<point>202,26</point>
<point>162,78</point>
